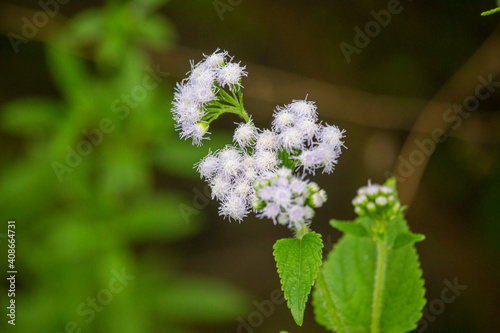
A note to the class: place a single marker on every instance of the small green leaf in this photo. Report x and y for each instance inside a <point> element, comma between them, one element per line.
<point>298,262</point>
<point>491,11</point>
<point>406,238</point>
<point>391,182</point>
<point>354,228</point>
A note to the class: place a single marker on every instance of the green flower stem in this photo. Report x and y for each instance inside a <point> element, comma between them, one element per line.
<point>228,103</point>
<point>330,305</point>
<point>492,11</point>
<point>239,104</point>
<point>244,114</point>
<point>379,283</point>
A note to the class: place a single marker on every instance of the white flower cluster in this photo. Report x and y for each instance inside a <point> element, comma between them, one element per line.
<point>313,145</point>
<point>376,201</point>
<point>195,93</point>
<point>287,199</point>
<point>264,157</point>
<point>232,171</point>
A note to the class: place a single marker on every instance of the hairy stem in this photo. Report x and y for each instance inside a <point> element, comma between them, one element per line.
<point>330,305</point>
<point>379,283</point>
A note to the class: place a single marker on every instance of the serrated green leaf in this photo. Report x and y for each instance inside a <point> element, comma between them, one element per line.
<point>406,238</point>
<point>350,275</point>
<point>353,228</point>
<point>298,262</point>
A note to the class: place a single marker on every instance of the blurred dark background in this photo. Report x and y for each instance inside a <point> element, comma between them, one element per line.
<point>134,203</point>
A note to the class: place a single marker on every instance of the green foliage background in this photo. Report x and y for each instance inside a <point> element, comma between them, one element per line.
<point>86,205</point>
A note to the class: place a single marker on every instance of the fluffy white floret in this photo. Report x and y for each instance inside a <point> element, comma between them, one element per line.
<point>282,120</point>
<point>243,187</point>
<point>219,186</point>
<point>308,128</point>
<point>234,207</point>
<point>208,166</point>
<point>304,108</point>
<point>230,161</point>
<point>291,138</point>
<point>267,140</point>
<point>216,59</point>
<point>265,160</point>
<point>331,134</point>
<point>202,76</point>
<point>245,134</point>
<point>230,75</point>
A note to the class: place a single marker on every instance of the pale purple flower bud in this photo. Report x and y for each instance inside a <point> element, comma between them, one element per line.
<point>282,196</point>
<point>298,186</point>
<point>266,193</point>
<point>386,189</point>
<point>297,214</point>
<point>381,201</point>
<point>271,211</point>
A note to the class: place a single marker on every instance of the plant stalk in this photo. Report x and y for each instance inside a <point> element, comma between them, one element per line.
<point>379,283</point>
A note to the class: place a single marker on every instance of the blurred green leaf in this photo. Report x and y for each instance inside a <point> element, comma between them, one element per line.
<point>69,73</point>
<point>84,28</point>
<point>353,228</point>
<point>156,32</point>
<point>198,301</point>
<point>158,218</point>
<point>31,117</point>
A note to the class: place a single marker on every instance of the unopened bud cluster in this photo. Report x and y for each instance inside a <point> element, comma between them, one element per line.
<point>286,199</point>
<point>378,202</point>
